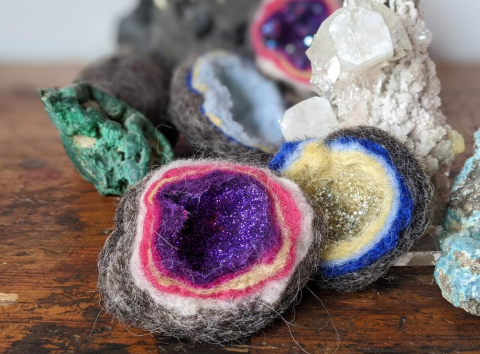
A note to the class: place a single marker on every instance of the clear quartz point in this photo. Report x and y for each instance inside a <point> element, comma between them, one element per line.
<point>357,40</point>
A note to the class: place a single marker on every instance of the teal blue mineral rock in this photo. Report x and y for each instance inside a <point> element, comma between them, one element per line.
<point>457,272</point>
<point>112,145</point>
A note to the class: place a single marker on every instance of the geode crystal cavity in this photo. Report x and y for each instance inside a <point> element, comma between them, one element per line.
<point>371,61</point>
<point>282,31</point>
<point>225,107</point>
<point>112,145</point>
<point>374,193</point>
<point>458,270</point>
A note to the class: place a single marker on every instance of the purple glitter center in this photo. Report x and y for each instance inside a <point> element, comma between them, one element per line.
<point>290,30</point>
<point>215,225</point>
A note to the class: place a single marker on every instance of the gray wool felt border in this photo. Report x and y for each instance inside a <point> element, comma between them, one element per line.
<point>139,82</point>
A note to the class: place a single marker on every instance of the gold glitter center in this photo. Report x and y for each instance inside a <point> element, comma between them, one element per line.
<point>354,191</point>
<point>349,206</point>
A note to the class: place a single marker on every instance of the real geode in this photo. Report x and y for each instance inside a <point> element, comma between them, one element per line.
<point>397,90</point>
<point>170,30</point>
<point>458,270</point>
<point>112,145</point>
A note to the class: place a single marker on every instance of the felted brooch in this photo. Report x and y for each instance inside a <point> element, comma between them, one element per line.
<point>223,106</point>
<point>375,195</point>
<point>281,32</point>
<point>208,250</point>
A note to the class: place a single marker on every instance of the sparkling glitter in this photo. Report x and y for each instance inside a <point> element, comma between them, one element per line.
<point>214,225</point>
<point>350,205</point>
<point>290,30</point>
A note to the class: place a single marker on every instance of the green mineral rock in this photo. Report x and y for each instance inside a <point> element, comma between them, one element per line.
<point>112,145</point>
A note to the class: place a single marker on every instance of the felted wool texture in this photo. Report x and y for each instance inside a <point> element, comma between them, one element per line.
<point>156,296</point>
<point>138,81</point>
<point>369,155</point>
<point>222,129</point>
<point>270,45</point>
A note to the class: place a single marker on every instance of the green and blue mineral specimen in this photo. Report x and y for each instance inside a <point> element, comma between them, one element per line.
<point>457,272</point>
<point>111,144</point>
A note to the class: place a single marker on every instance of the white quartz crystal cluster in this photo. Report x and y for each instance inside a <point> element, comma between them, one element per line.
<point>371,62</point>
<point>356,41</point>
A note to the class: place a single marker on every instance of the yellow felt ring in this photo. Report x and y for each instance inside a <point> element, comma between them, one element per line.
<point>324,164</point>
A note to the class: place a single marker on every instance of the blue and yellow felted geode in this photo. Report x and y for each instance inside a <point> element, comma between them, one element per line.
<point>374,192</point>
<point>225,107</point>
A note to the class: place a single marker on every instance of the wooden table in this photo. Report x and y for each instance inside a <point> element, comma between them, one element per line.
<point>53,224</point>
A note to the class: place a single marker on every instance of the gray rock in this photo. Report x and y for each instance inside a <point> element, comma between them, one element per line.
<point>171,29</point>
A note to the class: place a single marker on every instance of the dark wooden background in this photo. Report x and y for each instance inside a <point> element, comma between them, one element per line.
<point>53,224</point>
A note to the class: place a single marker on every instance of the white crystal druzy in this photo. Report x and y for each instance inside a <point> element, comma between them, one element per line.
<point>312,118</point>
<point>400,95</point>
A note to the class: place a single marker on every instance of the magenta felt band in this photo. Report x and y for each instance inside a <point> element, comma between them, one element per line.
<point>208,250</point>
<point>161,279</point>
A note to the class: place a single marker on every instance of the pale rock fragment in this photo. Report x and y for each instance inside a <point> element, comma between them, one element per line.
<point>312,118</point>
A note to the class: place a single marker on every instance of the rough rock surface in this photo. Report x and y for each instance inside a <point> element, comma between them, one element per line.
<point>170,30</point>
<point>458,270</point>
<point>112,145</point>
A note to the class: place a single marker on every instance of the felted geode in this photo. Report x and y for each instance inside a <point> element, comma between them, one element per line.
<point>208,250</point>
<point>112,145</point>
<point>138,81</point>
<point>375,194</point>
<point>281,32</point>
<point>223,106</point>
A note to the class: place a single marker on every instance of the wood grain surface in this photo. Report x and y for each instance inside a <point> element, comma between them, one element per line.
<point>53,225</point>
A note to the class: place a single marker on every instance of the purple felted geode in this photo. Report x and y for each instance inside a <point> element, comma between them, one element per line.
<point>282,32</point>
<point>209,250</point>
<point>215,225</point>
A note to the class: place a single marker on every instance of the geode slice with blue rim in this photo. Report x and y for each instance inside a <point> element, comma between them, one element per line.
<point>375,194</point>
<point>225,107</point>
